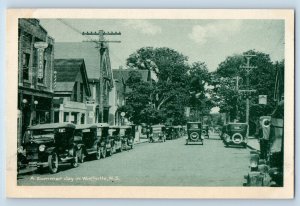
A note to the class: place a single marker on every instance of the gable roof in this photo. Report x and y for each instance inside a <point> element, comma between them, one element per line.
<point>67,71</point>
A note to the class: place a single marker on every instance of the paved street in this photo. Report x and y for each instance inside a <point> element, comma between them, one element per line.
<point>156,164</point>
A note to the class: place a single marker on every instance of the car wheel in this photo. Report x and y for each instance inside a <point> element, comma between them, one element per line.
<point>53,163</point>
<point>80,155</point>
<point>98,153</point>
<point>74,163</point>
<point>103,152</point>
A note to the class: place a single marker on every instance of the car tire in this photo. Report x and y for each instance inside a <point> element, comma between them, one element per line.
<point>80,155</point>
<point>75,161</point>
<point>53,163</point>
<point>98,153</point>
<point>103,152</point>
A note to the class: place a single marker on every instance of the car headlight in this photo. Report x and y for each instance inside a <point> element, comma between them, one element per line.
<point>42,148</point>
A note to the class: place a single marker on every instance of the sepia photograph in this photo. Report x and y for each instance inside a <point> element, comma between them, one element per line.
<point>167,100</point>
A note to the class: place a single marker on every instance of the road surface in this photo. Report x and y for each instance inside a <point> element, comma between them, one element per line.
<point>171,163</point>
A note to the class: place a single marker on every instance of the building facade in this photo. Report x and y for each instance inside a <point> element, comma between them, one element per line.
<point>96,61</point>
<point>71,92</point>
<point>35,75</point>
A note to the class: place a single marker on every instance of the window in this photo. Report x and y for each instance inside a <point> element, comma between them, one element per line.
<point>25,66</point>
<point>82,120</point>
<point>56,116</point>
<point>75,92</point>
<point>81,92</point>
<point>66,116</point>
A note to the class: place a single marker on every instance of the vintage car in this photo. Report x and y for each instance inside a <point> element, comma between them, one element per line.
<point>194,131</point>
<point>87,141</point>
<point>51,144</point>
<point>114,132</point>
<point>205,132</point>
<point>158,133</point>
<point>235,134</point>
<point>127,133</point>
<point>179,131</point>
<point>106,141</point>
<point>170,133</point>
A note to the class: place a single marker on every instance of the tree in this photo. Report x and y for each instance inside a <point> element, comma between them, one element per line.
<point>261,79</point>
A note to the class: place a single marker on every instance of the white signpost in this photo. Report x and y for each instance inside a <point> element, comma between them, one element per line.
<point>40,46</point>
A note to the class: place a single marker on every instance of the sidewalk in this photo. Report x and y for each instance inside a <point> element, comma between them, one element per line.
<point>253,143</point>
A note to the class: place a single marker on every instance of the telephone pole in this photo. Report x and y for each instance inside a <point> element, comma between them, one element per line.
<point>248,91</point>
<point>102,45</point>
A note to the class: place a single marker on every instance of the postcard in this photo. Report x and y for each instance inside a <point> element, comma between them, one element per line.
<point>150,103</point>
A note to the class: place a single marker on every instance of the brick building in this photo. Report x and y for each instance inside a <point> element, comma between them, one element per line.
<point>35,73</point>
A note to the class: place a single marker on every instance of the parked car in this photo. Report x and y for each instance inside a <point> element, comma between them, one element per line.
<point>235,134</point>
<point>194,130</point>
<point>106,141</point>
<point>205,132</point>
<point>158,133</point>
<point>87,141</point>
<point>117,145</point>
<point>178,131</point>
<point>51,144</point>
<point>127,134</point>
<point>170,133</point>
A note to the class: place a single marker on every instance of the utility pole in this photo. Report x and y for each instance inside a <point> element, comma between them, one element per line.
<point>248,69</point>
<point>102,45</point>
<point>237,78</point>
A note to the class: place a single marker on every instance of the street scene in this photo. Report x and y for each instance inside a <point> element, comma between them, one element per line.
<point>150,102</point>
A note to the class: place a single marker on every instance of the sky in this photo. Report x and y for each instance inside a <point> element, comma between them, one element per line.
<point>209,41</point>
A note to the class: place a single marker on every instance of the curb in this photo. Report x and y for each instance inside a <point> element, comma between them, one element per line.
<point>252,148</point>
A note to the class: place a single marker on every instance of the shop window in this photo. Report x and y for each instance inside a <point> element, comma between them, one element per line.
<point>25,66</point>
<point>66,116</point>
<point>82,121</point>
<point>74,117</point>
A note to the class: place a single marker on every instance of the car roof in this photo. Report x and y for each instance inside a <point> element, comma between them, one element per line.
<point>52,126</point>
<point>86,126</point>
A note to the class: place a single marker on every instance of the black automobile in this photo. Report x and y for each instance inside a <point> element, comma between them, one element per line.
<point>205,132</point>
<point>235,134</point>
<point>114,132</point>
<point>87,141</point>
<point>106,141</point>
<point>47,145</point>
<point>158,133</point>
<point>170,133</point>
<point>194,130</point>
<point>127,134</point>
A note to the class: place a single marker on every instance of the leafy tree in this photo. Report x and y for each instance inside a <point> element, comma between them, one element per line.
<point>261,79</point>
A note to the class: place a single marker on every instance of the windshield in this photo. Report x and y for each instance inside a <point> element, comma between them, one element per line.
<point>43,133</point>
<point>194,126</point>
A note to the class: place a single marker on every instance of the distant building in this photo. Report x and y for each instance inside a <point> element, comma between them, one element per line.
<point>99,101</point>
<point>35,75</point>
<point>72,92</point>
<point>121,89</point>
